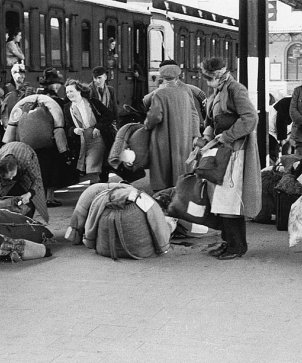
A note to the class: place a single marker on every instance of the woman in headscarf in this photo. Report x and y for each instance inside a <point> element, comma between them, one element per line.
<point>232,120</point>
<point>89,129</point>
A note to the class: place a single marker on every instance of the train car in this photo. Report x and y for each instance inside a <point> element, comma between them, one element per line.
<point>74,36</point>
<point>188,35</point>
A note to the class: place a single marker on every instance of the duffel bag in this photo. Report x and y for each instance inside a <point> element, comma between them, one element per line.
<point>16,225</point>
<point>191,202</point>
<point>126,223</point>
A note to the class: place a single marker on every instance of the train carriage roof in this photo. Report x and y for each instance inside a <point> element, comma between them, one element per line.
<point>174,10</point>
<point>118,4</point>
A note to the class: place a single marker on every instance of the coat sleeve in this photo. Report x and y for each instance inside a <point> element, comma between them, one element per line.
<point>247,117</point>
<point>69,125</point>
<point>104,117</point>
<point>294,109</point>
<point>155,113</point>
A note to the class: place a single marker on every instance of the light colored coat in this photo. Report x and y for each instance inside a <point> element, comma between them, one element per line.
<point>174,122</point>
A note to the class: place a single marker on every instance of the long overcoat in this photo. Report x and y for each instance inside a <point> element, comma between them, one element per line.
<point>174,122</point>
<point>237,118</point>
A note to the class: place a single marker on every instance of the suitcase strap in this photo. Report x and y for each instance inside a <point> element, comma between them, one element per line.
<point>119,228</point>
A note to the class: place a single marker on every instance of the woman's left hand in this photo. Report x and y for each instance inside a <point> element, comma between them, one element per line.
<point>95,133</point>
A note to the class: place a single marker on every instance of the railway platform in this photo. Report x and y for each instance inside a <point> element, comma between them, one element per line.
<point>182,307</point>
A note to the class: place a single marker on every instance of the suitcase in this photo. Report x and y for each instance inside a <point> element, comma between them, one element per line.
<point>284,203</point>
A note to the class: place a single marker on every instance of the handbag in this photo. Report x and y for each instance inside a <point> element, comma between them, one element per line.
<point>212,161</point>
<point>191,203</point>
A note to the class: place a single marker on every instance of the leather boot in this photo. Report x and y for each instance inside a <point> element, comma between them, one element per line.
<point>222,248</point>
<point>235,235</point>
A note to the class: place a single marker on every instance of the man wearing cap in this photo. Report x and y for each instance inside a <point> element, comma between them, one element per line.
<point>101,91</point>
<point>174,122</point>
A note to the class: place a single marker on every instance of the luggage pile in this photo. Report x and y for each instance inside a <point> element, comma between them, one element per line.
<point>281,187</point>
<point>119,221</point>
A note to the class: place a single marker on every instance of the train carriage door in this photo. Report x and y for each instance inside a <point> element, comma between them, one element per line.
<point>140,61</point>
<point>182,59</point>
<point>156,55</point>
<point>13,20</point>
<point>112,47</point>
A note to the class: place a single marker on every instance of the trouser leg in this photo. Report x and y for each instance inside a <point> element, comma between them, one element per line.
<point>235,234</point>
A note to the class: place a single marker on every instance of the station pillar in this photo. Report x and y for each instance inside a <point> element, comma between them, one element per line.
<point>254,65</point>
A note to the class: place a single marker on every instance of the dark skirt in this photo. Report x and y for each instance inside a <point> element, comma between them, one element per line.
<point>54,170</point>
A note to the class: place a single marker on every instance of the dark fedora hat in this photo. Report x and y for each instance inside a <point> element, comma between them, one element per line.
<point>50,76</point>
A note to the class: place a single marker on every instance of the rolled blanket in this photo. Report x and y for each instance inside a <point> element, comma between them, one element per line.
<point>28,127</point>
<point>74,232</point>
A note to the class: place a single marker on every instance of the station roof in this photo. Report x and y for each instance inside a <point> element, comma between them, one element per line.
<point>296,4</point>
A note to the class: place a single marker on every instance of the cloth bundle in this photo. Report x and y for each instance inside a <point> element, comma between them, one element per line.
<point>21,249</point>
<point>125,222</point>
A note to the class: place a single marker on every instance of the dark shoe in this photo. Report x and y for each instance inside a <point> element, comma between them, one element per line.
<point>218,251</point>
<point>229,256</point>
<point>48,252</point>
<point>53,203</point>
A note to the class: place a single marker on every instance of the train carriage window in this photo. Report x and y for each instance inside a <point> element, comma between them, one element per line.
<point>56,42</point>
<point>182,54</point>
<point>200,49</point>
<point>294,62</point>
<point>101,44</point>
<point>67,41</point>
<point>42,41</point>
<point>130,47</point>
<point>113,48</point>
<point>85,44</point>
<point>156,38</point>
<point>12,23</point>
<point>119,46</point>
<point>214,48</point>
<point>26,37</point>
<point>228,52</point>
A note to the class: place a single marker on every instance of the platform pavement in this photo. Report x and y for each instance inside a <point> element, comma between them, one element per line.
<point>184,306</point>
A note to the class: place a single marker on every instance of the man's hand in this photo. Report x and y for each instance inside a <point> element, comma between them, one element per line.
<point>25,198</point>
<point>95,133</point>
<point>78,131</point>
